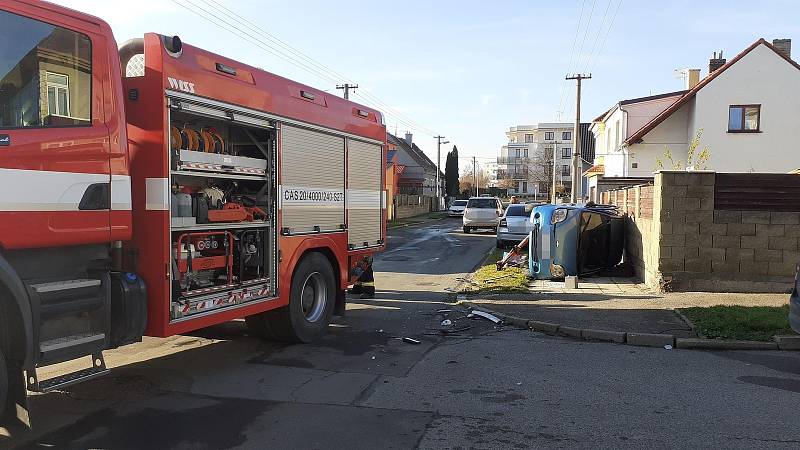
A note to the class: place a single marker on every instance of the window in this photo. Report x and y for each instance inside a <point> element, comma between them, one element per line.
<point>482,203</point>
<point>744,118</point>
<point>57,94</point>
<point>566,152</point>
<point>529,138</point>
<point>564,170</point>
<point>45,74</point>
<point>634,165</point>
<point>517,153</point>
<point>525,153</point>
<point>548,135</point>
<point>517,210</point>
<point>566,135</point>
<point>524,186</point>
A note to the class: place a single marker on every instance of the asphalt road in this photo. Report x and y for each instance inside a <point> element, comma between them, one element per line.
<point>484,387</point>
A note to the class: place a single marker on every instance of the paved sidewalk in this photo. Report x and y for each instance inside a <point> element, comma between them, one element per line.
<point>615,304</point>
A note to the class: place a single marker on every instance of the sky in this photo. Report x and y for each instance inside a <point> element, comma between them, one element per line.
<point>467,70</point>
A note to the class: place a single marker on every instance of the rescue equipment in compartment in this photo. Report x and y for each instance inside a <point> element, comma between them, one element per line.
<point>192,137</point>
<point>236,212</point>
<point>207,139</point>
<point>201,258</point>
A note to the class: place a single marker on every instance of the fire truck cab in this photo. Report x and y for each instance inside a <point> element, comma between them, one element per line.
<point>157,188</point>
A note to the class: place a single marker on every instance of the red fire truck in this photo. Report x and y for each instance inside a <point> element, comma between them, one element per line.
<point>157,188</point>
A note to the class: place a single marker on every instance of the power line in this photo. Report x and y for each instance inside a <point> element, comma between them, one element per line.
<point>562,93</point>
<point>597,37</point>
<point>317,67</point>
<point>608,31</point>
<point>583,42</point>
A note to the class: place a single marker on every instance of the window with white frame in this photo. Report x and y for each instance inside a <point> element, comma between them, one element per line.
<point>548,135</point>
<point>57,94</point>
<point>566,135</point>
<point>528,138</point>
<point>566,152</point>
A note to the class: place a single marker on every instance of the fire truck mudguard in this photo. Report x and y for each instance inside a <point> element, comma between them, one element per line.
<point>16,334</point>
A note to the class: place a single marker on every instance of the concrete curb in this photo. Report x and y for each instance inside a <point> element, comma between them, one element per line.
<point>716,344</point>
<point>786,343</point>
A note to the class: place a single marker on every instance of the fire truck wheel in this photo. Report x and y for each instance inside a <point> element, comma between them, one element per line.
<point>311,301</point>
<point>3,384</point>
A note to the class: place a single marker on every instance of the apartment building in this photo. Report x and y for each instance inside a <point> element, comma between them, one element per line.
<point>525,164</point>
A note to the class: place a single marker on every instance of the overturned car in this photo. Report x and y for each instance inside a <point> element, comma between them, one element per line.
<point>574,240</point>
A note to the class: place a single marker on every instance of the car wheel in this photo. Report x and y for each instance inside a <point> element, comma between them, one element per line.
<point>312,297</point>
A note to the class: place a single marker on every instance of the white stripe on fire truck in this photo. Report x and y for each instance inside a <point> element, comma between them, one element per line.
<point>157,194</point>
<point>120,192</point>
<point>41,190</point>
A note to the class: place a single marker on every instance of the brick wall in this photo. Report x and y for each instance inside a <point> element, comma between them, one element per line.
<point>688,245</point>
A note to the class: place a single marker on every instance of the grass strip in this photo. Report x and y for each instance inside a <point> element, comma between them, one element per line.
<point>749,323</point>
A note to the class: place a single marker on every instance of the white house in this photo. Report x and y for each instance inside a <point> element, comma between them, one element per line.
<point>748,109</point>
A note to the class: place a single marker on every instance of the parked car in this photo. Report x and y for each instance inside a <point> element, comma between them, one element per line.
<point>794,304</point>
<point>514,225</point>
<point>457,208</point>
<point>574,240</point>
<point>482,212</point>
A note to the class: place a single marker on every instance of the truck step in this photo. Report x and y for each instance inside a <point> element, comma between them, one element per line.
<point>71,341</point>
<point>66,285</point>
<point>98,369</point>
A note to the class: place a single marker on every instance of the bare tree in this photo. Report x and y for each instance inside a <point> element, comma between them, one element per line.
<point>465,181</point>
<point>540,169</point>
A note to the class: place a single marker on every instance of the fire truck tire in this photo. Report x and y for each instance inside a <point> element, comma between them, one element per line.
<point>3,385</point>
<point>311,302</point>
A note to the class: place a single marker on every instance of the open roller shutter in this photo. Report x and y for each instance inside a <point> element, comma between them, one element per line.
<point>364,190</point>
<point>312,181</point>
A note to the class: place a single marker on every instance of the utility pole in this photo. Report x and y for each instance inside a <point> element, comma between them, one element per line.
<point>555,170</point>
<point>439,143</point>
<point>346,87</point>
<point>576,140</point>
<point>475,176</point>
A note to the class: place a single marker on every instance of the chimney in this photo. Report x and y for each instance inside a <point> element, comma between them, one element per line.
<point>409,138</point>
<point>692,78</point>
<point>716,62</point>
<point>784,46</point>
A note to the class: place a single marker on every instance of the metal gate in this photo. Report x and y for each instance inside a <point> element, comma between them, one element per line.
<point>364,193</point>
<point>312,181</point>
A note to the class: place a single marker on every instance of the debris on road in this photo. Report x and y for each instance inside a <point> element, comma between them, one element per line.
<point>447,322</point>
<point>668,347</point>
<point>412,341</point>
<point>514,257</point>
<point>455,329</point>
<point>485,315</point>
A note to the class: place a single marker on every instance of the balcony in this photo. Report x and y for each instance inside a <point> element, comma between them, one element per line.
<point>512,160</point>
<point>519,174</point>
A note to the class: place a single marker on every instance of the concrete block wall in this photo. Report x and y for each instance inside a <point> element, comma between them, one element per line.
<point>703,249</point>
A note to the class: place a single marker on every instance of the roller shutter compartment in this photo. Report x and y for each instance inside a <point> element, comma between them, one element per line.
<point>312,181</point>
<point>364,191</point>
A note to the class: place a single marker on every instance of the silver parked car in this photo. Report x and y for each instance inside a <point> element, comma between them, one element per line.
<point>457,208</point>
<point>482,212</point>
<point>514,225</point>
